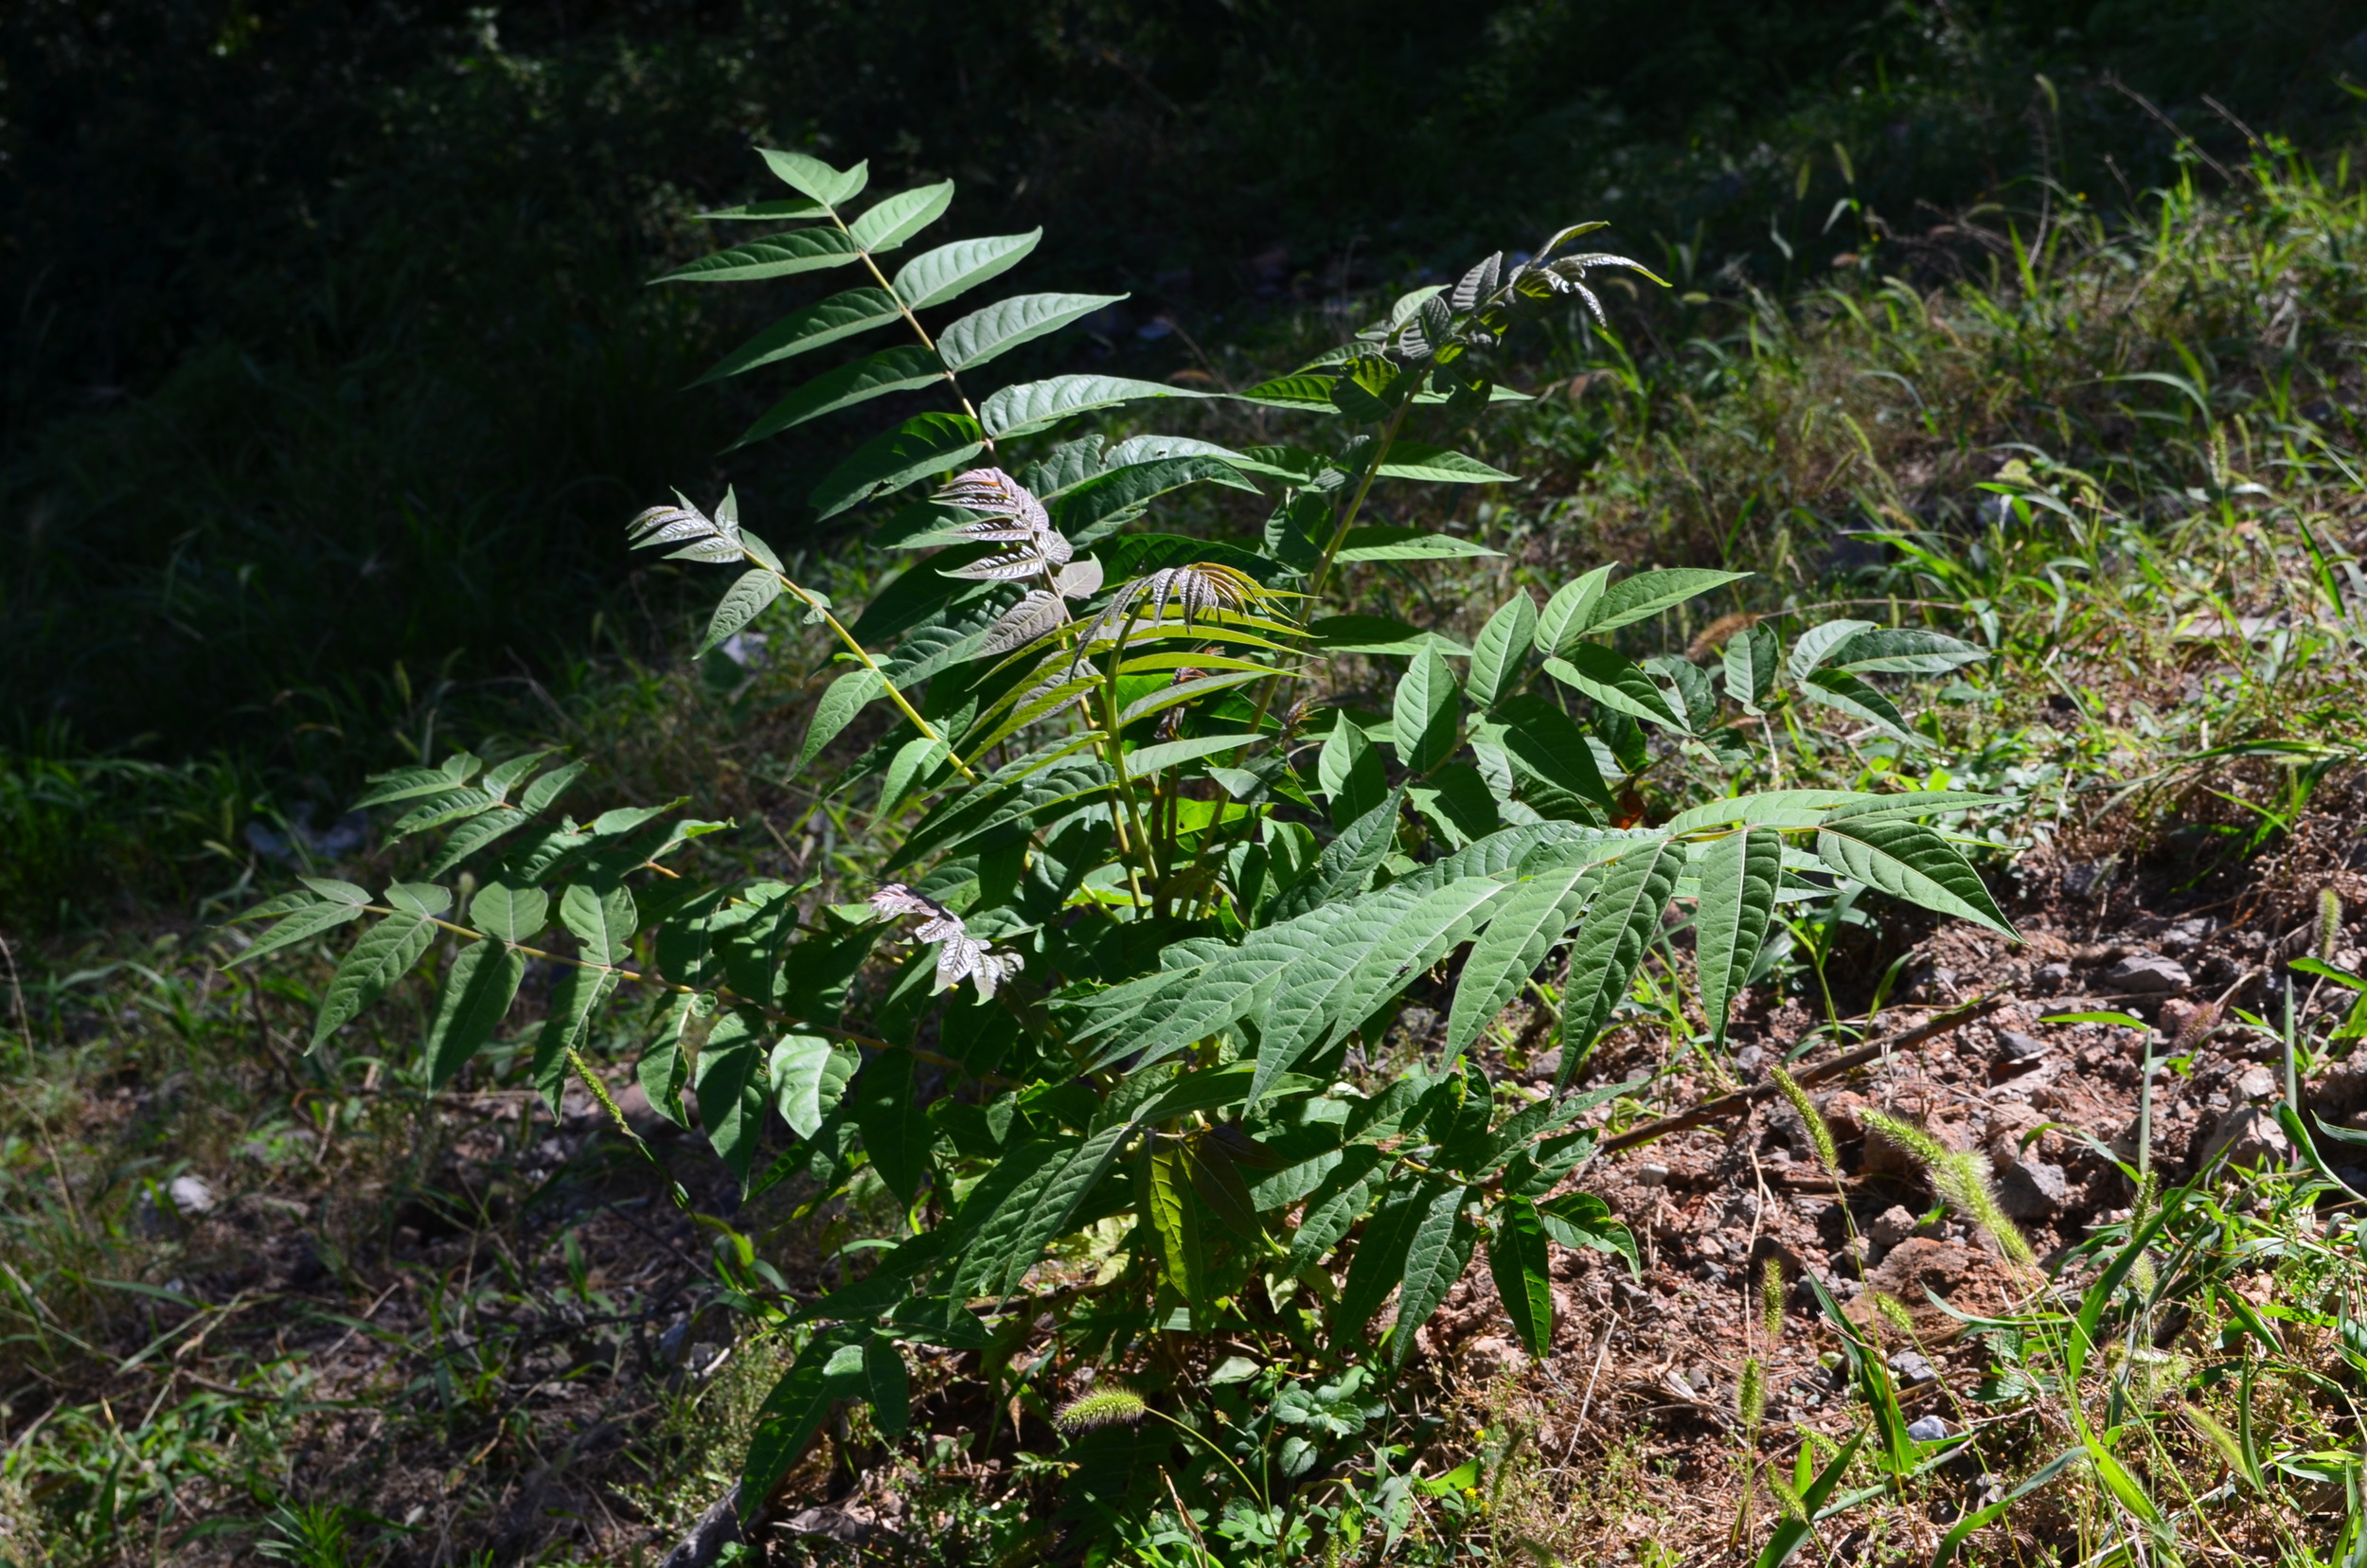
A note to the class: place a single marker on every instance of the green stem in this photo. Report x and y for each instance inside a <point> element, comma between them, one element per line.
<point>857,648</point>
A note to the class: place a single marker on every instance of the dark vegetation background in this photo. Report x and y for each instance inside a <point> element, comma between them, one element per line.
<point>330,375</point>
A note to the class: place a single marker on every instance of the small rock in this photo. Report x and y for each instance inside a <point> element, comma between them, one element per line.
<point>2255,1083</point>
<point>2019,1047</point>
<point>190,1196</point>
<point>1894,1225</point>
<point>1854,1253</point>
<point>1930,1428</point>
<point>1651,1175</point>
<point>1912,1369</point>
<point>2249,1138</point>
<point>2147,974</point>
<point>2051,979</point>
<point>1544,1065</point>
<point>2031,1189</point>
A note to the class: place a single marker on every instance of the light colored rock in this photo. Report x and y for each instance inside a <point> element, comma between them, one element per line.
<point>2147,974</point>
<point>2255,1083</point>
<point>1913,1369</point>
<point>1930,1428</point>
<point>1651,1175</point>
<point>1894,1225</point>
<point>2031,1189</point>
<point>190,1196</point>
<point>2251,1139</point>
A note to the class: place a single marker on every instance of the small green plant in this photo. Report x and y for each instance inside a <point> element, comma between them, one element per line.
<point>1141,911</point>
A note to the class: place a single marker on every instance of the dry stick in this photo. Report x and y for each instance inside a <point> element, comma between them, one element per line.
<point>1728,1105</point>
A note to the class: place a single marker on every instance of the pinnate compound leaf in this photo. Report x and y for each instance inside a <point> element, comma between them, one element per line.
<point>1740,874</point>
<point>808,1074</point>
<point>896,219</point>
<point>800,251</point>
<point>1499,651</point>
<point>940,275</point>
<point>898,369</point>
<point>1619,684</point>
<point>383,955</point>
<point>1534,917</point>
<point>996,329</point>
<point>1435,1258</point>
<point>811,177</point>
<point>478,989</point>
<point>1910,861</point>
<point>1646,594</point>
<point>1516,1260</point>
<point>1424,717</point>
<point>827,321</point>
<point>1619,925</point>
<point>1038,405</point>
<point>847,696</point>
<point>1847,693</point>
<point>742,602</point>
<point>302,925</point>
<point>922,445</point>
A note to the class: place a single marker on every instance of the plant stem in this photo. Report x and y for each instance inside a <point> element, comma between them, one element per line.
<point>911,713</point>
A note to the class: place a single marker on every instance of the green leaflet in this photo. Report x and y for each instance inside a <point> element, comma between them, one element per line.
<point>811,177</point>
<point>898,369</point>
<point>1334,1207</point>
<point>1549,744</point>
<point>1905,650</point>
<point>1816,643</point>
<point>304,924</point>
<point>1837,688</point>
<point>1618,683</point>
<point>575,997</point>
<point>1516,1260</point>
<point>383,956</point>
<point>1532,919</point>
<point>997,329</point>
<point>478,989</point>
<point>799,1405</point>
<point>894,1123</point>
<point>937,276</point>
<point>742,602</point>
<point>477,833</point>
<point>1740,874</point>
<point>1088,509</point>
<point>1378,1266</point>
<point>1499,651</point>
<point>1910,861</point>
<point>1001,1208</point>
<point>664,1069</point>
<point>1225,990</point>
<point>1349,771</point>
<point>896,219</point>
<point>888,1386</point>
<point>548,788</point>
<point>1038,405</point>
<point>1749,663</point>
<point>1438,466</point>
<point>808,1075</point>
<point>827,321</point>
<point>1646,594</point>
<point>416,783</point>
<point>847,696</point>
<point>1176,1221</point>
<point>604,922</point>
<point>1578,1220</point>
<point>801,250</point>
<point>1435,1257</point>
<point>1563,619</point>
<point>1377,542</point>
<point>1049,1216</point>
<point>922,445</point>
<point>507,912</point>
<point>1423,722</point>
<point>731,1090</point>
<point>1618,927</point>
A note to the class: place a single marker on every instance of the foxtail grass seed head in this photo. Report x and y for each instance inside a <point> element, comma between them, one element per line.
<point>1751,1395</point>
<point>1110,1406</point>
<point>1894,1311</point>
<point>1772,1299</point>
<point>2197,1028</point>
<point>1961,1179</point>
<point>1820,1131</point>
<point>2329,924</point>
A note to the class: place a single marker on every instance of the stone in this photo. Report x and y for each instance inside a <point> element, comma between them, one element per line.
<point>1651,1175</point>
<point>1544,1066</point>
<point>1930,1428</point>
<point>2009,1122</point>
<point>1894,1225</point>
<point>2249,1138</point>
<point>2255,1083</point>
<point>2051,979</point>
<point>1914,1368</point>
<point>2031,1189</point>
<point>2012,1046</point>
<point>1919,1263</point>
<point>2146,974</point>
<point>190,1196</point>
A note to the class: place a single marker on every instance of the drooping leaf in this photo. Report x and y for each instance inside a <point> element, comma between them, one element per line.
<point>937,275</point>
<point>922,445</point>
<point>731,1090</point>
<point>1005,324</point>
<point>1516,1260</point>
<point>1038,405</point>
<point>1646,594</point>
<point>1740,874</point>
<point>1378,1266</point>
<point>1550,744</point>
<point>575,997</point>
<point>896,219</point>
<point>1349,770</point>
<point>1435,1258</point>
<point>1175,1220</point>
<point>808,1074</point>
<point>1577,1219</point>
<point>1334,1207</point>
<point>1816,643</point>
<point>478,989</point>
<point>742,602</point>
<point>888,1386</point>
<point>1841,690</point>
<point>798,1404</point>
<point>1534,917</point>
<point>1424,719</point>
<point>1498,653</point>
<point>895,1126</point>
<point>1619,684</point>
<point>897,369</point>
<point>383,955</point>
<point>812,178</point>
<point>847,696</point>
<point>1348,861</point>
<point>1912,861</point>
<point>1619,925</point>
<point>799,251</point>
<point>824,322</point>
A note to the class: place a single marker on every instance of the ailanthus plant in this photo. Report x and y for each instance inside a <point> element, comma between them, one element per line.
<point>1144,906</point>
